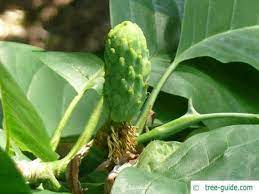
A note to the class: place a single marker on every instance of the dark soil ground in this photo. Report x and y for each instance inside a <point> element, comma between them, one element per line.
<point>65,25</point>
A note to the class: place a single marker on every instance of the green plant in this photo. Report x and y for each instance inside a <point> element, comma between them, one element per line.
<point>206,112</point>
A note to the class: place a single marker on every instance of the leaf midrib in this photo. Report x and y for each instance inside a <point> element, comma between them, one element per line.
<point>180,57</point>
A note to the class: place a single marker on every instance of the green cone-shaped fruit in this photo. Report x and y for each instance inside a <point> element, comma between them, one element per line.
<point>127,68</point>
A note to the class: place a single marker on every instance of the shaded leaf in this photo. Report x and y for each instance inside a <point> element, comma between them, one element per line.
<point>227,37</point>
<point>213,86</point>
<point>83,112</point>
<point>11,181</point>
<point>180,5</point>
<point>1,114</point>
<point>95,157</point>
<point>94,182</point>
<point>159,20</point>
<point>231,36</point>
<point>167,108</point>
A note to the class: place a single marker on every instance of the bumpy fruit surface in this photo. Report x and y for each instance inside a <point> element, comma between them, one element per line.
<point>127,68</point>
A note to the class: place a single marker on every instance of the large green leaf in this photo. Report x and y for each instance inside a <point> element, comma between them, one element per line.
<point>21,118</point>
<point>229,36</point>
<point>11,181</point>
<point>216,155</point>
<point>142,179</point>
<point>84,72</point>
<point>229,153</point>
<point>1,115</point>
<point>160,21</point>
<point>138,181</point>
<point>225,30</point>
<point>14,151</point>
<point>81,70</point>
<point>213,86</point>
<point>155,153</point>
<point>83,112</point>
<point>48,82</point>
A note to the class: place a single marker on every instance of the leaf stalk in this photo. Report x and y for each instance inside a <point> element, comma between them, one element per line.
<point>186,121</point>
<point>69,111</point>
<point>85,138</point>
<point>141,121</point>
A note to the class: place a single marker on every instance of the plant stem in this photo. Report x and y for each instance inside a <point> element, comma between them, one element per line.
<point>152,98</point>
<point>86,136</point>
<point>187,120</point>
<point>68,113</point>
<point>36,172</point>
<point>46,172</point>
